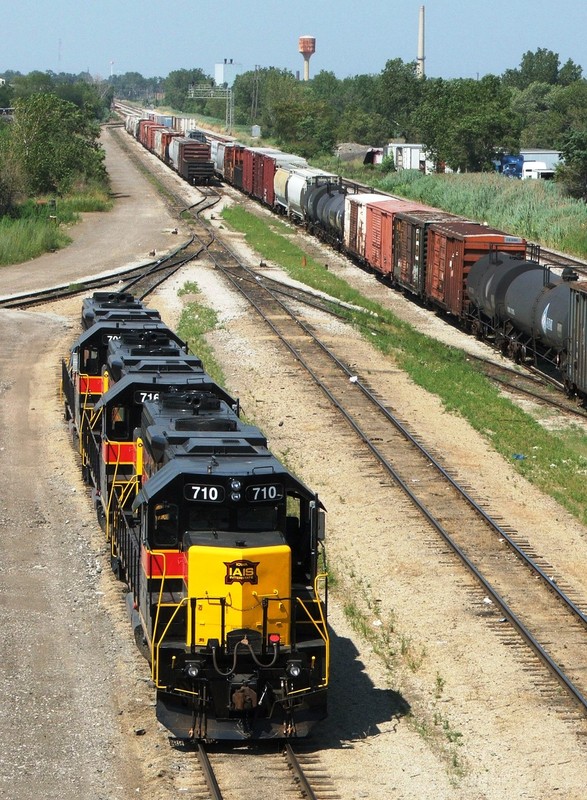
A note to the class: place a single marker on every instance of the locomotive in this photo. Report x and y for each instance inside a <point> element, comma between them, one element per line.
<point>433,256</point>
<point>221,546</point>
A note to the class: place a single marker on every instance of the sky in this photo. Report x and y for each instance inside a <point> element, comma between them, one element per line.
<point>463,38</point>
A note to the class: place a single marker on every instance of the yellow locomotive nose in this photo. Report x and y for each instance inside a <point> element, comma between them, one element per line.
<point>238,588</point>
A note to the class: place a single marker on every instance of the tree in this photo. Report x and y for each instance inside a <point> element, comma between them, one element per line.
<point>543,66</point>
<point>464,122</point>
<point>6,96</point>
<point>33,83</point>
<point>11,178</point>
<point>55,143</point>
<point>573,172</point>
<point>177,86</point>
<point>360,126</point>
<point>569,73</point>
<point>399,92</point>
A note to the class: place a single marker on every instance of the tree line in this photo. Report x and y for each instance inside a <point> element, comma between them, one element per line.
<point>463,123</point>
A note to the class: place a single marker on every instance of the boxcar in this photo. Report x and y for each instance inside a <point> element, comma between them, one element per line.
<point>453,247</point>
<point>410,246</point>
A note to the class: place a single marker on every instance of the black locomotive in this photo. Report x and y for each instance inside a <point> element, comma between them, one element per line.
<point>221,546</point>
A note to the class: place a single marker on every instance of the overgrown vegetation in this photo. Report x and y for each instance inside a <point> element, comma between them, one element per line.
<point>541,211</point>
<point>51,165</point>
<point>40,226</point>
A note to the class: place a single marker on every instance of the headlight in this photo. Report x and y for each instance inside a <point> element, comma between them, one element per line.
<point>293,668</point>
<point>192,669</point>
<point>235,485</point>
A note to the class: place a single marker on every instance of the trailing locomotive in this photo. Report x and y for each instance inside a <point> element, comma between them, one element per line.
<point>431,255</point>
<point>221,546</point>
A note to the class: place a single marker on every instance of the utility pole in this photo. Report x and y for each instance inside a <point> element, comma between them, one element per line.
<point>255,95</point>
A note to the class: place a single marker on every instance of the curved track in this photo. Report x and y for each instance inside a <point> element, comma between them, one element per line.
<point>520,585</point>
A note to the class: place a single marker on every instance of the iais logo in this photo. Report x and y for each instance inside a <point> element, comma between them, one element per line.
<point>241,571</point>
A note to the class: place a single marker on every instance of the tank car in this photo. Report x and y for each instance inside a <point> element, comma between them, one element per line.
<point>522,306</point>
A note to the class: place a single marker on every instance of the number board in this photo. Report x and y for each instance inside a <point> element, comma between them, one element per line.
<point>141,397</point>
<point>266,493</point>
<point>201,493</point>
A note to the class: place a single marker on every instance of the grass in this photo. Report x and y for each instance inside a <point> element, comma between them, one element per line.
<point>398,653</point>
<point>24,239</point>
<point>195,322</point>
<point>556,463</point>
<point>537,210</point>
<point>39,225</point>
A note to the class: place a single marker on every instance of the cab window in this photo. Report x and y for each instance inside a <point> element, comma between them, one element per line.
<point>165,525</point>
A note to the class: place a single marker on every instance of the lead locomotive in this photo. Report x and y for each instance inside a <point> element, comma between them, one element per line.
<point>220,545</point>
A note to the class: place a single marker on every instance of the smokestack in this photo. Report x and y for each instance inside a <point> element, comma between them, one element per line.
<point>420,61</point>
<point>307,47</point>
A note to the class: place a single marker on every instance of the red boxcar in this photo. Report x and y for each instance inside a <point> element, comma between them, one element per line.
<point>410,239</point>
<point>379,244</point>
<point>355,222</point>
<point>253,166</point>
<point>452,248</point>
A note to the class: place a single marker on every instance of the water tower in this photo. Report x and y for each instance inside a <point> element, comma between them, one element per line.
<point>307,47</point>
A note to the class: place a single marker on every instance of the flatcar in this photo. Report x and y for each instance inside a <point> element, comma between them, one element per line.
<point>221,546</point>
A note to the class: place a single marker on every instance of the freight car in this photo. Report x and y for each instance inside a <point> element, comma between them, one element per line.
<point>435,257</point>
<point>429,254</point>
<point>189,156</point>
<point>220,545</point>
<point>528,312</point>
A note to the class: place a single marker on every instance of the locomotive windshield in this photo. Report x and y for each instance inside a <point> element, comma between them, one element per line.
<point>169,520</point>
<point>202,517</point>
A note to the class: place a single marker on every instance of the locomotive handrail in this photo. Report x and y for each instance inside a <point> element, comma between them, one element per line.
<point>323,628</point>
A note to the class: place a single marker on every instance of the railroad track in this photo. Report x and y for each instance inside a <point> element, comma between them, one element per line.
<point>532,384</point>
<point>141,280</point>
<point>525,380</point>
<point>251,772</point>
<point>528,592</point>
<point>519,583</point>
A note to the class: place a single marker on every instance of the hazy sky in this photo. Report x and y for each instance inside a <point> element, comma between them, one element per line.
<point>464,38</point>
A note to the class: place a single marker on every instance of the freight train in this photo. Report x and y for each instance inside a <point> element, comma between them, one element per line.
<point>490,282</point>
<point>188,154</point>
<point>220,545</point>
